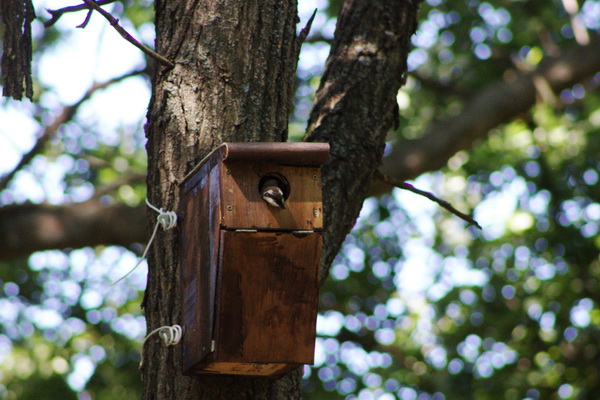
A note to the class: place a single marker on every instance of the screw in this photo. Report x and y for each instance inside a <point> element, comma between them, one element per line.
<point>315,212</point>
<point>228,172</point>
<point>315,177</point>
<point>229,207</point>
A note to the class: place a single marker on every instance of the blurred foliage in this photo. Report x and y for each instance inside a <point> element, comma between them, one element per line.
<point>417,305</point>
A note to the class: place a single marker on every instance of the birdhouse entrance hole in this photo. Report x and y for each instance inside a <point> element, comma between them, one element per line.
<point>281,180</point>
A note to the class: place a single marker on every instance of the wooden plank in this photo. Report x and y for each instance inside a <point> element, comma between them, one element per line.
<point>205,165</point>
<point>199,252</point>
<point>214,241</point>
<point>296,154</point>
<point>247,369</point>
<point>244,208</point>
<point>268,297</point>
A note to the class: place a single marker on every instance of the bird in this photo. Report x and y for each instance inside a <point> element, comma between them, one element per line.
<point>272,194</point>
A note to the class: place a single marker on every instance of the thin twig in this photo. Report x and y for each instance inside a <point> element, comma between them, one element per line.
<point>306,30</point>
<point>114,22</point>
<point>56,14</point>
<point>66,115</point>
<point>318,38</point>
<point>430,196</point>
<point>86,20</point>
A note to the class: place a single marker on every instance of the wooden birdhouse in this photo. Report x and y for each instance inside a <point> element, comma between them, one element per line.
<point>249,269</point>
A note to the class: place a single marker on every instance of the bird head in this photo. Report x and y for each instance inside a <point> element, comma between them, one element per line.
<point>272,193</point>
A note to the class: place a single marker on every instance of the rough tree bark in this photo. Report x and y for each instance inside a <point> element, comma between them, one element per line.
<point>234,81</point>
<point>355,106</point>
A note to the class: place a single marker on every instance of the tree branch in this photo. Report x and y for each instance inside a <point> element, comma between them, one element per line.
<point>115,24</point>
<point>27,228</point>
<point>495,104</point>
<point>56,14</point>
<point>306,30</point>
<point>317,38</point>
<point>430,196</point>
<point>86,20</point>
<point>66,115</point>
<point>353,111</point>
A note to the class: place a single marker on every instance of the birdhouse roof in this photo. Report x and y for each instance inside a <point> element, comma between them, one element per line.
<point>295,154</point>
<point>289,154</point>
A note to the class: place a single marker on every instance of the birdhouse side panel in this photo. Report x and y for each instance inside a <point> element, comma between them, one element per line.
<point>268,297</point>
<point>244,207</point>
<point>199,252</point>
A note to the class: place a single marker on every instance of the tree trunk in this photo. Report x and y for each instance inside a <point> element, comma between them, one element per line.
<point>234,81</point>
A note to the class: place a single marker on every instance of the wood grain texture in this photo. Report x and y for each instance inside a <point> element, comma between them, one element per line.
<point>269,290</point>
<point>271,370</point>
<point>195,285</point>
<point>199,227</point>
<point>244,208</point>
<point>298,154</point>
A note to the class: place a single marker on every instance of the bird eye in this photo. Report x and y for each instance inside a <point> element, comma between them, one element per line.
<point>275,179</point>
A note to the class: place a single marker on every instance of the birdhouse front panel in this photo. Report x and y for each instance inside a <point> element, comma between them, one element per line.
<point>251,237</point>
<point>244,208</point>
<point>268,297</point>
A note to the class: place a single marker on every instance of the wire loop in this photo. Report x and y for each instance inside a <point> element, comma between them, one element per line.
<point>170,335</point>
<point>166,219</point>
